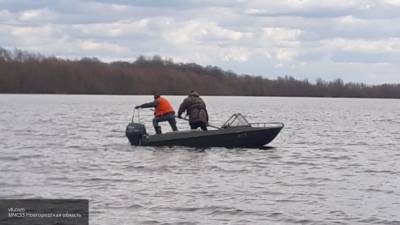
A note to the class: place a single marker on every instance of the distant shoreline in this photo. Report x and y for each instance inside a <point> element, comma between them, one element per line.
<point>26,73</point>
<point>133,95</point>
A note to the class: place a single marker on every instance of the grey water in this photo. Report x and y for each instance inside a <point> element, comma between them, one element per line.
<point>337,161</point>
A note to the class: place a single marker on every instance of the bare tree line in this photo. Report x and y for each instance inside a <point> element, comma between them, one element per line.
<point>24,72</point>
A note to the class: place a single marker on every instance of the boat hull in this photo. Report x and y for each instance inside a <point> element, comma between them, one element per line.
<point>246,137</point>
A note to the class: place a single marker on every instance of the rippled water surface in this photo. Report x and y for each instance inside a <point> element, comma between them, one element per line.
<point>337,161</point>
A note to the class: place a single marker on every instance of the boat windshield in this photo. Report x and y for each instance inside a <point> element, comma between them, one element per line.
<point>236,120</point>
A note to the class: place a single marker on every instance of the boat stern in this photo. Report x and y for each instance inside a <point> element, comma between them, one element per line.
<point>135,133</point>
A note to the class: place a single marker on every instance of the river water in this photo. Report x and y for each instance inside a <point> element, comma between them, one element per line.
<point>337,161</point>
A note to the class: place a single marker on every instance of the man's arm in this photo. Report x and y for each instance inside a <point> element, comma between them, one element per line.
<point>152,104</point>
<point>182,107</point>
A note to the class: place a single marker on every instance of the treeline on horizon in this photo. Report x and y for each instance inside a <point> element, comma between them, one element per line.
<point>25,72</point>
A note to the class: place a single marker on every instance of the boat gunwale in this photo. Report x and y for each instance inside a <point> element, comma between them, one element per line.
<point>225,131</point>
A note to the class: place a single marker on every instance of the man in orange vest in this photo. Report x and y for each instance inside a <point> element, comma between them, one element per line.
<point>163,112</point>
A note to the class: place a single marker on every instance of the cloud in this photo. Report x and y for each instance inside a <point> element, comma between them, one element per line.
<point>303,8</point>
<point>196,31</point>
<point>93,46</point>
<point>388,45</point>
<point>392,2</point>
<point>36,15</point>
<point>35,35</point>
<point>113,30</point>
<point>176,4</point>
<point>302,38</point>
<point>4,14</point>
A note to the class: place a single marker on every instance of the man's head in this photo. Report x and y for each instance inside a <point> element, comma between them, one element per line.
<point>156,95</point>
<point>194,93</point>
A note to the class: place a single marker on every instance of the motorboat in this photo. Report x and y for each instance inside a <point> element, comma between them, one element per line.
<point>235,132</point>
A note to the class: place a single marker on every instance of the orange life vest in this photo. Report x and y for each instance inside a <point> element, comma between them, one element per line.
<point>163,107</point>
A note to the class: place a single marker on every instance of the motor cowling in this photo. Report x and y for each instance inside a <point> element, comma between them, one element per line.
<point>135,132</point>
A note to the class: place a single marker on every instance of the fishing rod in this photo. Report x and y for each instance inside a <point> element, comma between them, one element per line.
<point>138,114</point>
<point>209,125</point>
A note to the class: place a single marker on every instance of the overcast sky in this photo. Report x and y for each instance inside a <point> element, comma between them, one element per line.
<point>354,40</point>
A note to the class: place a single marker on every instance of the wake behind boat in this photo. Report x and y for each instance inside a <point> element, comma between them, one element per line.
<point>235,132</point>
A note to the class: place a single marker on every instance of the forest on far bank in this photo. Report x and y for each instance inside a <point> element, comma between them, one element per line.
<point>25,72</point>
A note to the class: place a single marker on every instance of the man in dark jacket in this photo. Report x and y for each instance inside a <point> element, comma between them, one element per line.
<point>163,112</point>
<point>196,109</point>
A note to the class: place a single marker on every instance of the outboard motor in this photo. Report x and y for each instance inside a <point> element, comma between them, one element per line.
<point>135,132</point>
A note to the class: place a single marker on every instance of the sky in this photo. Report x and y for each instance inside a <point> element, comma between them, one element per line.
<point>354,40</point>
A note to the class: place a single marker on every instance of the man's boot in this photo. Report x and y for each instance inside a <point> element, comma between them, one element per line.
<point>158,130</point>
<point>173,125</point>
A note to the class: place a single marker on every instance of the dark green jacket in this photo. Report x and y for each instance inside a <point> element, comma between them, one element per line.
<point>195,108</point>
